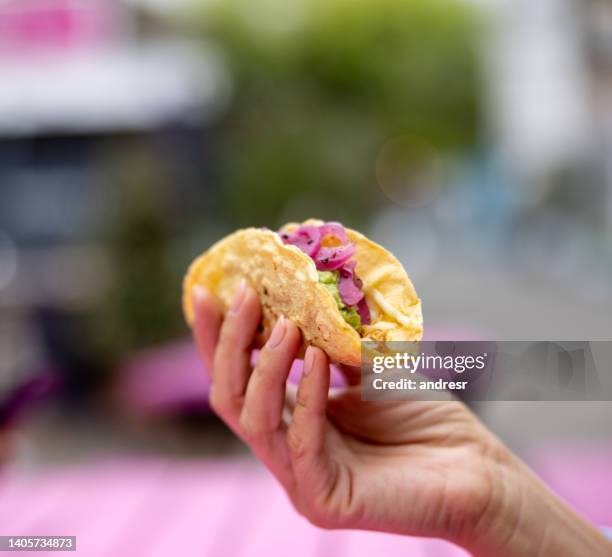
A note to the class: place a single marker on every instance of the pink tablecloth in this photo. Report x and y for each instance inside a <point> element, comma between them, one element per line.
<point>156,507</point>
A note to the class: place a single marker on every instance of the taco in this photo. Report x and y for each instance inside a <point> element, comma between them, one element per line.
<point>337,286</point>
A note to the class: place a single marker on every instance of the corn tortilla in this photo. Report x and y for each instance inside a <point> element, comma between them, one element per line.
<point>287,283</point>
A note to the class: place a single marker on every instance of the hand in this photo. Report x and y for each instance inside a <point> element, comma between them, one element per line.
<point>414,467</point>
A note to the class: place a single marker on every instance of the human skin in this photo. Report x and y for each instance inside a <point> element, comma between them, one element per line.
<point>410,467</point>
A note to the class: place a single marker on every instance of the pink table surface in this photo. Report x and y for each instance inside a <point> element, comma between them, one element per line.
<point>158,507</point>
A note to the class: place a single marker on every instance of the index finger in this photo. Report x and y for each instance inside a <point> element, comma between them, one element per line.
<point>232,362</point>
<point>206,325</point>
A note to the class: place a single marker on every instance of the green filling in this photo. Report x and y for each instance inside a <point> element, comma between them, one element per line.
<point>329,279</point>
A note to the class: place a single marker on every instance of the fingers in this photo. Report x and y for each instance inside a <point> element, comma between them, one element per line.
<point>232,361</point>
<point>261,421</point>
<point>252,403</point>
<point>265,397</point>
<point>206,325</point>
<point>306,434</point>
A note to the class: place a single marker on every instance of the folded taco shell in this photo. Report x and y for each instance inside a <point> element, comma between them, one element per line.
<point>287,283</point>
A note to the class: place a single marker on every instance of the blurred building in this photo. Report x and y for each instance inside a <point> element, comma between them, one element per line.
<point>91,91</point>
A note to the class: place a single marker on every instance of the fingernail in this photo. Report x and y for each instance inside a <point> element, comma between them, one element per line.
<point>197,293</point>
<point>309,359</point>
<point>239,296</point>
<point>277,333</point>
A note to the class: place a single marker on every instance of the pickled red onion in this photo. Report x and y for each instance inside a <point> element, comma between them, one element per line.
<point>364,312</point>
<point>307,238</point>
<point>349,284</point>
<point>334,229</point>
<point>328,259</point>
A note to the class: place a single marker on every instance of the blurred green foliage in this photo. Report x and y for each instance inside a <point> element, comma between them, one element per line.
<point>321,84</point>
<point>318,87</point>
<point>143,305</point>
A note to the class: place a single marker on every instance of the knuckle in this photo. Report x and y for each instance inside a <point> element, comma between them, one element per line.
<point>301,400</point>
<point>221,404</point>
<point>296,443</point>
<point>320,521</point>
<point>229,334</point>
<point>260,376</point>
<point>316,516</point>
<point>219,361</point>
<point>253,431</point>
<point>213,397</point>
<point>246,427</point>
<point>215,400</point>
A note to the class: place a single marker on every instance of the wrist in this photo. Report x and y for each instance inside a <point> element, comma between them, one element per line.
<point>524,518</point>
<point>512,522</point>
<point>500,522</point>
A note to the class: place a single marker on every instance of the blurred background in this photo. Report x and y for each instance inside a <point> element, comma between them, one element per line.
<point>473,138</point>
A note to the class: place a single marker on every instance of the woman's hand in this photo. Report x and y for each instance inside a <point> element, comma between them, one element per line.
<point>414,467</point>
